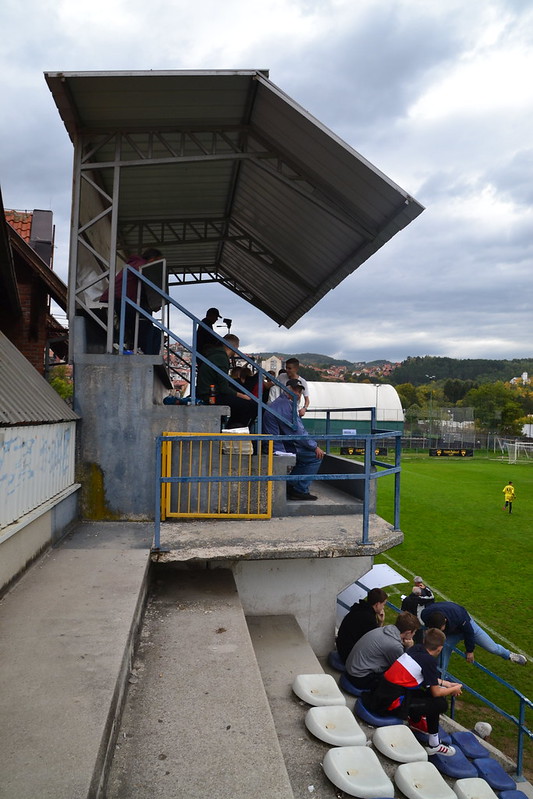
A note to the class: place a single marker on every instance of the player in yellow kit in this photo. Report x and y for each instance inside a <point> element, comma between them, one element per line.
<point>509,496</point>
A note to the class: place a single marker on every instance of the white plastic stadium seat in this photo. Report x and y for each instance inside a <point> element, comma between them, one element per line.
<point>473,788</point>
<point>318,689</point>
<point>399,744</point>
<point>357,771</point>
<point>335,725</point>
<point>422,781</point>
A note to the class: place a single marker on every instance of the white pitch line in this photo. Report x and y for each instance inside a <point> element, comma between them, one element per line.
<point>510,644</point>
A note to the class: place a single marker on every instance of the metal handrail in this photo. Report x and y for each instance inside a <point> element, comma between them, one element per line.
<point>197,357</point>
<point>524,702</point>
<point>367,475</point>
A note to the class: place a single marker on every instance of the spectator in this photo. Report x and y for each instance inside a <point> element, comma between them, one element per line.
<point>291,373</point>
<point>308,453</point>
<point>205,340</point>
<point>378,649</point>
<point>458,625</point>
<point>411,688</point>
<point>363,616</point>
<point>149,337</point>
<point>243,409</point>
<point>420,597</point>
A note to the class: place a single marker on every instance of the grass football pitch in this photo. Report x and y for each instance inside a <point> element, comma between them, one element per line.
<point>470,551</point>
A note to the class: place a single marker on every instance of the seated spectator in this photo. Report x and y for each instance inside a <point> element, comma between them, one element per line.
<point>378,649</point>
<point>363,616</point>
<point>267,385</point>
<point>243,409</point>
<point>412,689</point>
<point>308,453</point>
<point>420,597</point>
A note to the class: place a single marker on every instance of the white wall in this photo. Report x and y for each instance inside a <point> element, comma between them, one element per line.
<point>36,463</point>
<point>306,588</point>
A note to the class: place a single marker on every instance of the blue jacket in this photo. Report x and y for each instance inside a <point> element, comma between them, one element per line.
<point>458,621</point>
<point>273,426</point>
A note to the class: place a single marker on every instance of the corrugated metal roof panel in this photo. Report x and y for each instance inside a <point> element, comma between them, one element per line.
<point>25,396</point>
<point>301,193</point>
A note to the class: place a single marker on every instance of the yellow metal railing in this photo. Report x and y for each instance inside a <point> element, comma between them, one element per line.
<point>195,462</point>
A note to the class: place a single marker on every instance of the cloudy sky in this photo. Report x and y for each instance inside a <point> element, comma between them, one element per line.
<point>438,95</point>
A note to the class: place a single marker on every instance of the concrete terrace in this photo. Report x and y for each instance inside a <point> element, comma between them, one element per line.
<point>202,709</point>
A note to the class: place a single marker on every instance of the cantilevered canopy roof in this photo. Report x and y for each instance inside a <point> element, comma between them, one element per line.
<point>233,181</point>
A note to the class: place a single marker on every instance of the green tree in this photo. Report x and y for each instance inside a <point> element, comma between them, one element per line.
<point>495,408</point>
<point>455,390</point>
<point>407,394</point>
<point>61,381</point>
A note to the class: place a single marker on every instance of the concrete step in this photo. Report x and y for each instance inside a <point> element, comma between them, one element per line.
<point>67,629</point>
<point>282,652</point>
<point>197,723</point>
<point>330,502</point>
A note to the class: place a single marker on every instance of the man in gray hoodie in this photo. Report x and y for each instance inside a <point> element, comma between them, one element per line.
<point>378,649</point>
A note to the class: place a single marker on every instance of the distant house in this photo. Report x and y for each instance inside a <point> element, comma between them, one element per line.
<point>27,283</point>
<point>272,363</point>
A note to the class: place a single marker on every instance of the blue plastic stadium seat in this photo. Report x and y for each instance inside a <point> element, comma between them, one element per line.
<point>512,795</point>
<point>444,737</point>
<point>334,660</point>
<point>456,766</point>
<point>496,776</point>
<point>374,721</point>
<point>346,685</point>
<point>469,744</point>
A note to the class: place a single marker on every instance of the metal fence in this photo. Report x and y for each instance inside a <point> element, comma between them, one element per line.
<point>192,470</point>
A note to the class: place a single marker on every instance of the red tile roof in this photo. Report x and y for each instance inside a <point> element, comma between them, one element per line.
<point>21,222</point>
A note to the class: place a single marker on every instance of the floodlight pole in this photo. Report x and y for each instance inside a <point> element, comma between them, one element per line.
<point>430,377</point>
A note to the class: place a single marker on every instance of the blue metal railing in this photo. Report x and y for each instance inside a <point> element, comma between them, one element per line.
<point>523,703</point>
<point>367,475</point>
<point>196,357</point>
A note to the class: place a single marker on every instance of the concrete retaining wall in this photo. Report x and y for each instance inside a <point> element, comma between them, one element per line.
<point>23,541</point>
<point>120,401</point>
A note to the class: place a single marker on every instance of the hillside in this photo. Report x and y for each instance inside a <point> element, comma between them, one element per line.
<point>420,370</point>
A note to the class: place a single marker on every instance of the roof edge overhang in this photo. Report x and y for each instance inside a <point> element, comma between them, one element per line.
<point>54,285</point>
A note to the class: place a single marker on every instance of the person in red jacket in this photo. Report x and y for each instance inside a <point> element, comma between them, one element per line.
<point>149,337</point>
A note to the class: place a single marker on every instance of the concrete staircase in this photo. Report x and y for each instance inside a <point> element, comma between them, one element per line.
<point>204,710</point>
<point>197,723</point>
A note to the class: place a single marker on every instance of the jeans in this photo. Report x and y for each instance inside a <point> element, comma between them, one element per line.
<point>481,639</point>
<point>307,463</point>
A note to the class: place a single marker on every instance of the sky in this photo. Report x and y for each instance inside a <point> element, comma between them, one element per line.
<point>437,95</point>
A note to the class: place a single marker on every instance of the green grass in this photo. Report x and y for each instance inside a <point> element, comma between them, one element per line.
<point>468,550</point>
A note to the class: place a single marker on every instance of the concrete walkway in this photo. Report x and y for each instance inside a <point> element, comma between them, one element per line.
<point>67,629</point>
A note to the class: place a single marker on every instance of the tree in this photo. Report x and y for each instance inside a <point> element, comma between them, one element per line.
<point>407,394</point>
<point>495,408</point>
<point>455,390</point>
<point>61,381</point>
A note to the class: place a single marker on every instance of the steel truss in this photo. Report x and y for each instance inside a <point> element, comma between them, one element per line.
<point>111,152</point>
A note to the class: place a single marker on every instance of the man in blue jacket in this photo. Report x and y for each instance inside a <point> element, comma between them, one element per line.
<point>308,453</point>
<point>458,625</point>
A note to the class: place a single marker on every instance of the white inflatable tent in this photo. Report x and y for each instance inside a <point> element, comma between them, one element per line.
<point>329,395</point>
